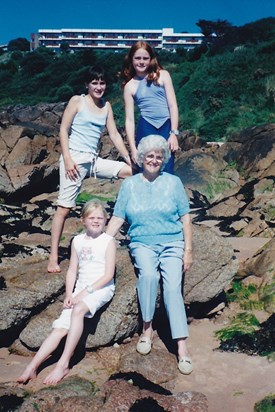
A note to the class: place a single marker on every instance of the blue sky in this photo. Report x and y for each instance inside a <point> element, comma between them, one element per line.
<point>20,18</point>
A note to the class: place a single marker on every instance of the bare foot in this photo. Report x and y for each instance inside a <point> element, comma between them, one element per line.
<point>28,374</point>
<point>56,375</point>
<point>53,266</point>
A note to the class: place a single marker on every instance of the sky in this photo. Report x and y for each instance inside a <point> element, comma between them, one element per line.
<point>20,18</point>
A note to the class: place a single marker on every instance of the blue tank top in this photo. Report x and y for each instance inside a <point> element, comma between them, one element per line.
<point>87,128</point>
<point>151,100</point>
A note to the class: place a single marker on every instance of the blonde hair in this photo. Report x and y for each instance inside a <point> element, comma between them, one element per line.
<point>91,206</point>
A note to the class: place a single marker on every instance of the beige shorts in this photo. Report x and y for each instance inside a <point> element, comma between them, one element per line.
<point>88,165</point>
<point>94,301</point>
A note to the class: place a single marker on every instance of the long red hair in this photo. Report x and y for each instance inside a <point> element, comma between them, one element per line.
<point>128,71</point>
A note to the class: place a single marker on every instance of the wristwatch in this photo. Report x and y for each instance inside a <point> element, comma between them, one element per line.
<point>90,289</point>
<point>175,132</point>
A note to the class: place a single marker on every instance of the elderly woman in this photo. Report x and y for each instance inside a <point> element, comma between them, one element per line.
<point>157,209</point>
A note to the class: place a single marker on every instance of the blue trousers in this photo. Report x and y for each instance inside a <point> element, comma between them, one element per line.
<point>145,128</point>
<point>153,262</point>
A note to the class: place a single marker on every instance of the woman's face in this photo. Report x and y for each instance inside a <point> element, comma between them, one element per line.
<point>153,161</point>
<point>96,88</point>
<point>141,62</point>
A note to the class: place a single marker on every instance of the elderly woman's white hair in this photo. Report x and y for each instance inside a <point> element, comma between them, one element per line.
<point>153,142</point>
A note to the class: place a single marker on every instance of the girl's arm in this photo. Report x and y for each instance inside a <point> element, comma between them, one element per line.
<point>187,232</point>
<point>115,136</point>
<point>130,120</point>
<point>166,80</point>
<point>67,119</point>
<point>71,278</point>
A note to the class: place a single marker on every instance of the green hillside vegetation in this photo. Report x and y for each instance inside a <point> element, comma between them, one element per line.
<point>222,86</point>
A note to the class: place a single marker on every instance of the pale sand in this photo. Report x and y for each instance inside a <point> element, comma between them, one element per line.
<point>232,382</point>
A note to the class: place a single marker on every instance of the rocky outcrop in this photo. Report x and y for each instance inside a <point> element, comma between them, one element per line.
<point>234,183</point>
<point>125,392</point>
<point>29,148</point>
<point>260,270</point>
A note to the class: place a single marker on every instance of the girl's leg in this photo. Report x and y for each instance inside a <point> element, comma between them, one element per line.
<point>76,328</point>
<point>68,192</point>
<point>56,232</point>
<point>47,347</point>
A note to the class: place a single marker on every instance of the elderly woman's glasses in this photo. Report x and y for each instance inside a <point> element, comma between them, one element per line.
<point>152,157</point>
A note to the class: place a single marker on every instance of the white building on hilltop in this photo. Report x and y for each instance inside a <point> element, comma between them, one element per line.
<point>79,39</point>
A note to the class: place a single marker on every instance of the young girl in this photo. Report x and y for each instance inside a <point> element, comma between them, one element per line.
<point>83,122</point>
<point>89,286</point>
<point>150,87</point>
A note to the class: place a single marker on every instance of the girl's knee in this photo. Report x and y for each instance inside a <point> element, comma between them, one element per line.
<point>59,332</point>
<point>79,310</point>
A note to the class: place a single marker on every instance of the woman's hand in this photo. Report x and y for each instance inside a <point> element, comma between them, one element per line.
<point>187,260</point>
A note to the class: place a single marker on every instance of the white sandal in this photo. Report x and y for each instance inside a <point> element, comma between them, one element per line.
<point>144,345</point>
<point>185,365</point>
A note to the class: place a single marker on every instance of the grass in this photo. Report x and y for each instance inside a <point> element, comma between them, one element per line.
<point>212,189</point>
<point>84,197</point>
<point>266,405</point>
<point>246,296</point>
<point>242,323</point>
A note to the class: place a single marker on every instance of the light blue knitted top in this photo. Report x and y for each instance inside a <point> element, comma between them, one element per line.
<point>153,210</point>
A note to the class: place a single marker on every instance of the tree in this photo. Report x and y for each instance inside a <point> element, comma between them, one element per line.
<point>214,29</point>
<point>19,44</point>
<point>35,62</point>
<point>65,47</point>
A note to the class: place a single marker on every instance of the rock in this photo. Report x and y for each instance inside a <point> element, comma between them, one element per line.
<point>214,266</point>
<point>26,292</point>
<point>125,395</point>
<point>262,265</point>
<point>254,151</point>
<point>47,398</point>
<point>206,173</point>
<point>129,392</point>
<point>11,397</point>
<point>116,321</point>
<point>131,361</point>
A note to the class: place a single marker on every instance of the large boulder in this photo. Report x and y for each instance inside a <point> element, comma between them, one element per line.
<point>29,139</point>
<point>33,298</point>
<point>260,268</point>
<point>252,150</point>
